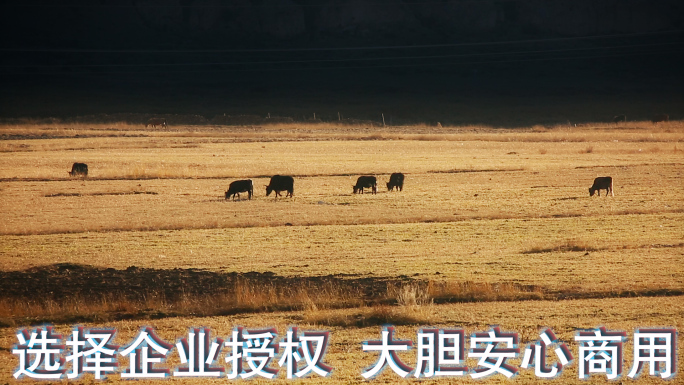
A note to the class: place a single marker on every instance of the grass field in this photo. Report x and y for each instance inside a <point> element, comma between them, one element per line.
<point>348,360</point>
<point>479,206</point>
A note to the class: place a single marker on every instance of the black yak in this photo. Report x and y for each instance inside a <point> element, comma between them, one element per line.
<point>396,180</point>
<point>602,183</point>
<point>79,169</point>
<point>366,182</point>
<point>240,186</point>
<point>281,183</point>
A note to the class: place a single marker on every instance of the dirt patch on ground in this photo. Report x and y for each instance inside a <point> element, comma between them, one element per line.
<point>460,171</point>
<point>59,281</point>
<point>101,194</point>
<point>69,293</point>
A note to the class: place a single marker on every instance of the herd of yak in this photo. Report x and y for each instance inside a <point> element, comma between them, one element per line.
<point>280,183</point>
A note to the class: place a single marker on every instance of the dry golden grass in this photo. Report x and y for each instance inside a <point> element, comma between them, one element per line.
<point>469,250</point>
<point>502,217</point>
<point>632,131</point>
<point>445,181</point>
<point>563,247</point>
<point>345,355</point>
<point>396,302</point>
<point>470,210</point>
<point>244,297</point>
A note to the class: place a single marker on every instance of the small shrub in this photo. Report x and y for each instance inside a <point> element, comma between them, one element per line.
<point>563,247</point>
<point>412,295</point>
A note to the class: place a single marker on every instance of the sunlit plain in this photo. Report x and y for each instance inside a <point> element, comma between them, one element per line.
<point>478,205</point>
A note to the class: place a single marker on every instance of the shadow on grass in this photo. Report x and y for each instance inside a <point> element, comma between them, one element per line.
<point>70,293</point>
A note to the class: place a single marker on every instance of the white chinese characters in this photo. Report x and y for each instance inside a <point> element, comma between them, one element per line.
<point>250,353</point>
<point>261,353</point>
<point>657,348</point>
<point>600,351</point>
<point>535,355</point>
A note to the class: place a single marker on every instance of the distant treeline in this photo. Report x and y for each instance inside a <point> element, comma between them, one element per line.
<point>179,119</point>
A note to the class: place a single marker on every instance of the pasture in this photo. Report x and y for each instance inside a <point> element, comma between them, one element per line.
<point>479,206</point>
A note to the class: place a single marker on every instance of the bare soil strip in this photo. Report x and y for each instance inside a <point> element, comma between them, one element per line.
<point>75,136</point>
<point>77,293</point>
<point>63,280</point>
<point>460,171</point>
<point>630,165</point>
<point>584,248</point>
<point>100,194</point>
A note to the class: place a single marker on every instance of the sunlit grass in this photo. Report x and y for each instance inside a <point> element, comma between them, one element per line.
<point>486,214</point>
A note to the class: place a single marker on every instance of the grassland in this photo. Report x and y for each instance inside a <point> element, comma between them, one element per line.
<point>481,206</point>
<point>348,360</point>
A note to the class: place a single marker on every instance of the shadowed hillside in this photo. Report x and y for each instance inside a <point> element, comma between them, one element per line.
<point>500,63</point>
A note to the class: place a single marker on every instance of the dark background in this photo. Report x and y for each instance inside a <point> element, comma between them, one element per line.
<point>505,63</point>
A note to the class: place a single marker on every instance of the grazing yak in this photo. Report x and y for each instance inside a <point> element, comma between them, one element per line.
<point>240,186</point>
<point>281,183</point>
<point>602,183</point>
<point>660,118</point>
<point>79,169</point>
<point>154,122</point>
<point>396,180</point>
<point>366,182</point>
<point>619,118</point>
